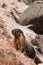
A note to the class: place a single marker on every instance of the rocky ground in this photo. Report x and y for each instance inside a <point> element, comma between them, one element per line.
<point>9,11</point>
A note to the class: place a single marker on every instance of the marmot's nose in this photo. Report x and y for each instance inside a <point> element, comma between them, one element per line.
<point>16,32</point>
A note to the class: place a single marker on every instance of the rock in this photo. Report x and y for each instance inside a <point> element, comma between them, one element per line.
<point>8,54</point>
<point>37,25</point>
<point>39,57</point>
<point>40,42</point>
<point>27,1</point>
<point>33,15</point>
<point>40,64</point>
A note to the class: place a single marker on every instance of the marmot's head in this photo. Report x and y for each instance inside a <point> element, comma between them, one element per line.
<point>17,32</point>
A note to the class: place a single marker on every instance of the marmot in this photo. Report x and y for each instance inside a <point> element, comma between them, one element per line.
<point>21,44</point>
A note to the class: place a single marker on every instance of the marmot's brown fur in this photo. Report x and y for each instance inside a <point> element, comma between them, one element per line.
<point>21,44</point>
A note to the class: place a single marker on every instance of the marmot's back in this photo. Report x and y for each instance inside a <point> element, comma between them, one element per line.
<point>30,51</point>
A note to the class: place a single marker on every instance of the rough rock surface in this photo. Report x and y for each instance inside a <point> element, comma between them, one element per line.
<point>8,54</point>
<point>40,64</point>
<point>33,15</point>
